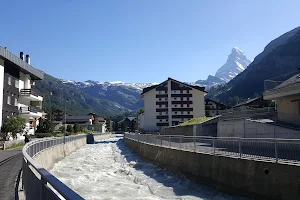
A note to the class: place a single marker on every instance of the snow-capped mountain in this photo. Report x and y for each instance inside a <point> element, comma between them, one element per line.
<point>235,64</point>
<point>137,86</point>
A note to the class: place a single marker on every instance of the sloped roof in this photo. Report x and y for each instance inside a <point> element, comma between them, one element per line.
<point>294,79</point>
<point>82,117</point>
<point>246,102</point>
<point>147,89</point>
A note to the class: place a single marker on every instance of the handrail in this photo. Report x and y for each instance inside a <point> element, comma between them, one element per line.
<point>46,178</point>
<point>278,149</point>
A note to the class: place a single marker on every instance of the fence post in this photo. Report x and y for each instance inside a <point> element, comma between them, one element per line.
<point>240,148</point>
<point>195,143</point>
<point>275,148</point>
<point>214,148</point>
<point>180,141</point>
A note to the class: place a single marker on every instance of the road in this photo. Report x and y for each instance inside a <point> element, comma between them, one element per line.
<point>10,166</point>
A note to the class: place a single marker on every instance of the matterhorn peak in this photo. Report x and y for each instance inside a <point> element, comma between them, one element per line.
<point>235,64</point>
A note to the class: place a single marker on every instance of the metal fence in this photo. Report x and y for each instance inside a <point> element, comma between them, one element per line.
<point>286,150</point>
<point>38,183</point>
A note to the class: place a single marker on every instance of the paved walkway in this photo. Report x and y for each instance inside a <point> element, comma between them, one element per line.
<point>9,170</point>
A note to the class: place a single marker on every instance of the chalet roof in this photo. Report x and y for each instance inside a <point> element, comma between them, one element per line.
<point>294,79</point>
<point>247,102</point>
<point>216,102</point>
<point>147,89</point>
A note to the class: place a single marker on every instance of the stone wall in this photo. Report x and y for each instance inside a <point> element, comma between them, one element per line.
<point>48,157</point>
<point>252,129</point>
<point>255,179</point>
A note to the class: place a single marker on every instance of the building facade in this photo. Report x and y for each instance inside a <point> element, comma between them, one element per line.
<point>171,103</point>
<point>213,108</point>
<point>17,93</point>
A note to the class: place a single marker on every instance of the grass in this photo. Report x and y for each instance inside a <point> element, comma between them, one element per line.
<point>15,145</point>
<point>195,121</point>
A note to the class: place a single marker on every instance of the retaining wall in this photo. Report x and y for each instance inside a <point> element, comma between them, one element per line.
<point>252,129</point>
<point>256,179</point>
<point>48,157</point>
<point>208,128</point>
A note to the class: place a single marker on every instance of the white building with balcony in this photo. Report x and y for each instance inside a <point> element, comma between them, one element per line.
<point>17,93</point>
<point>171,103</point>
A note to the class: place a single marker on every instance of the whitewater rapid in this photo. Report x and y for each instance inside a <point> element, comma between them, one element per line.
<point>109,170</point>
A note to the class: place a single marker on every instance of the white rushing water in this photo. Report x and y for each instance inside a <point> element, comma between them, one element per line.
<point>109,170</point>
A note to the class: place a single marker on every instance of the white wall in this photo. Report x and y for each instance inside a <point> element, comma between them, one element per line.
<point>170,102</point>
<point>150,110</point>
<point>1,88</point>
<point>198,103</point>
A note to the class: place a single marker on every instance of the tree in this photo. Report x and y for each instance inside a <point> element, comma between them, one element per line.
<point>45,125</point>
<point>141,110</point>
<point>76,128</point>
<point>13,125</point>
<point>70,128</point>
<point>62,129</point>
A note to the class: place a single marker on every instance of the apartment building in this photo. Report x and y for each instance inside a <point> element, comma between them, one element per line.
<point>213,108</point>
<point>17,93</point>
<point>171,103</point>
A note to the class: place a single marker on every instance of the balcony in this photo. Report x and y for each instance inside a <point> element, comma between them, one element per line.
<point>30,110</point>
<point>31,94</point>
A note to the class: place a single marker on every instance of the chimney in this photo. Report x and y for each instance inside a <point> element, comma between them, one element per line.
<point>22,55</point>
<point>28,59</point>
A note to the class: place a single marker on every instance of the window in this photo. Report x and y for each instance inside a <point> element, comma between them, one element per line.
<point>8,100</point>
<point>188,98</point>
<point>188,112</point>
<point>175,105</point>
<point>17,83</point>
<point>167,120</point>
<point>174,91</point>
<point>166,91</point>
<point>16,102</point>
<point>182,119</point>
<point>159,92</point>
<point>188,105</point>
<point>160,120</point>
<point>166,112</point>
<point>159,99</point>
<point>159,113</point>
<point>187,91</point>
<point>181,98</point>
<point>181,105</point>
<point>181,91</point>
<point>175,112</point>
<point>160,106</point>
<point>9,80</point>
<point>175,98</point>
<point>166,99</point>
<point>182,112</point>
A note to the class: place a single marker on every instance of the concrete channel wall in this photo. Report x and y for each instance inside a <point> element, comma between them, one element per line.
<point>255,179</point>
<point>48,157</point>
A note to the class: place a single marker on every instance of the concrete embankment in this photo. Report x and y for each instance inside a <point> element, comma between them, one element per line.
<point>253,178</point>
<point>48,157</point>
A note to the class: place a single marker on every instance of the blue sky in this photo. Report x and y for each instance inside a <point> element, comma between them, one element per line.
<point>139,40</point>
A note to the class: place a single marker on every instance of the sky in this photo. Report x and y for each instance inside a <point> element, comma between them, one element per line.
<point>141,40</point>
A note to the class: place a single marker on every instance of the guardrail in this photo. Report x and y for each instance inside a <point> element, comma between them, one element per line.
<point>38,182</point>
<point>287,150</point>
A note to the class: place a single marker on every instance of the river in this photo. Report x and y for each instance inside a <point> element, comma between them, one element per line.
<point>109,170</point>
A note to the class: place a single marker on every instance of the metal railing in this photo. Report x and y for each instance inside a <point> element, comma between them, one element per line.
<point>38,183</point>
<point>288,120</point>
<point>29,92</point>
<point>286,150</point>
<point>24,110</point>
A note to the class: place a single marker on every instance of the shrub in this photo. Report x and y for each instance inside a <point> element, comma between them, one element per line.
<point>70,128</point>
<point>42,135</point>
<point>76,128</point>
